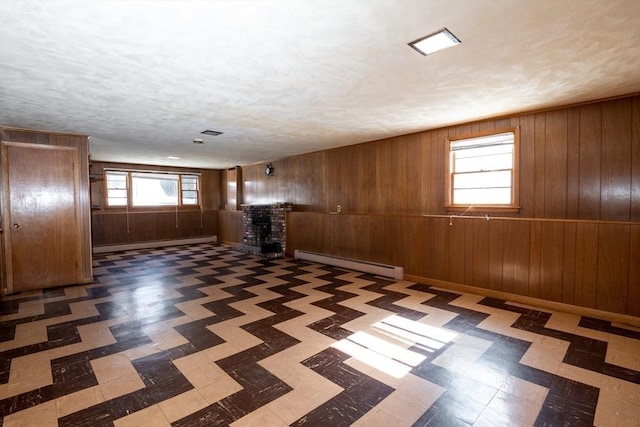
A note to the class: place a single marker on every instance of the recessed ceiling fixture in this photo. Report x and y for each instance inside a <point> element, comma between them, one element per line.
<point>197,140</point>
<point>211,132</point>
<point>173,158</point>
<point>439,40</point>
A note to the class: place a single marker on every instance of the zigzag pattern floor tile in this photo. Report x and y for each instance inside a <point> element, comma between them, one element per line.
<point>205,336</point>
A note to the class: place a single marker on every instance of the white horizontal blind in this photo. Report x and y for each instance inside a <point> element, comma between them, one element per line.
<point>116,188</point>
<point>482,169</point>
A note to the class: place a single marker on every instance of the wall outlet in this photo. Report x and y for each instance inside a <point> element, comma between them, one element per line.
<point>338,208</point>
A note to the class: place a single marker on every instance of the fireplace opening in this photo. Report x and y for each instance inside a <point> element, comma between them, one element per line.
<point>264,229</point>
<point>262,224</point>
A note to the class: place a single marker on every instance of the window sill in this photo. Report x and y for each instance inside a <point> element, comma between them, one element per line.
<point>483,209</point>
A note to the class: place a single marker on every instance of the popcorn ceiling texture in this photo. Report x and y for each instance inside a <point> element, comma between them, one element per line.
<point>284,78</point>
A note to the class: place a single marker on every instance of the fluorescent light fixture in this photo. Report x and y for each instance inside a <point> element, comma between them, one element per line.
<point>434,42</point>
<point>173,158</point>
<point>211,132</point>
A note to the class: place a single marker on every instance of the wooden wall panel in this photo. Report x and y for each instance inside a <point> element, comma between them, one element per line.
<point>551,262</point>
<point>456,250</point>
<point>579,175</point>
<point>120,228</point>
<point>535,259</point>
<point>109,225</point>
<point>586,264</point>
<point>574,262</point>
<point>229,226</point>
<point>573,163</point>
<point>539,170</point>
<point>616,160</point>
<point>555,164</point>
<point>635,159</point>
<point>480,256</point>
<point>496,254</point>
<point>613,267</point>
<point>568,263</point>
<point>516,256</point>
<point>590,161</point>
<point>435,262</point>
<point>633,294</point>
<point>527,162</point>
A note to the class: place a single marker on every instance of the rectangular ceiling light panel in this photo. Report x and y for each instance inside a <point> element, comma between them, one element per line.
<point>211,132</point>
<point>439,40</point>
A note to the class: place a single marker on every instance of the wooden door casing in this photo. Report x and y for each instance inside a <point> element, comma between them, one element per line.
<point>41,216</point>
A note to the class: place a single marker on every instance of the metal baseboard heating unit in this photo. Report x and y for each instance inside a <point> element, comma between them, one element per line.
<point>383,270</point>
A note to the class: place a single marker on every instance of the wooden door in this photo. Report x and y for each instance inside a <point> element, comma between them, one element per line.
<point>41,216</point>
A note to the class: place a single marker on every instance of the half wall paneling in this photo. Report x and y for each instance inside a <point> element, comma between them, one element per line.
<point>590,264</point>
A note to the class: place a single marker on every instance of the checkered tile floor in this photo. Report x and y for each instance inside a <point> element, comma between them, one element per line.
<point>206,336</point>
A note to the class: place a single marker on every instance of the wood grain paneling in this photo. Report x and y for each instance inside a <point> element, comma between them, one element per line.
<point>81,144</point>
<point>555,164</point>
<point>496,255</point>
<point>586,264</point>
<point>573,163</point>
<point>635,159</point>
<point>616,160</point>
<point>229,226</point>
<point>527,162</point>
<point>117,226</point>
<point>574,262</point>
<point>568,263</point>
<point>590,161</point>
<point>633,294</point>
<point>613,267</point>
<point>551,253</point>
<point>579,171</point>
<point>539,171</point>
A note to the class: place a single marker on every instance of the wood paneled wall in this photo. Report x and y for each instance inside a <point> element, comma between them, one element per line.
<point>230,226</point>
<point>81,143</point>
<point>574,240</point>
<point>576,163</point>
<point>117,226</point>
<point>590,264</point>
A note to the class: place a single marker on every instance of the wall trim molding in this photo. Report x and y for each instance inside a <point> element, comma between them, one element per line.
<point>153,244</point>
<point>531,301</point>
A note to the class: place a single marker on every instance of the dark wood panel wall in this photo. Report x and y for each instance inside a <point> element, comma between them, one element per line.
<point>575,162</point>
<point>81,143</point>
<point>575,239</point>
<point>119,226</point>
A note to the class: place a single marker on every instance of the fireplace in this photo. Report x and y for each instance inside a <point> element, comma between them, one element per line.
<point>264,229</point>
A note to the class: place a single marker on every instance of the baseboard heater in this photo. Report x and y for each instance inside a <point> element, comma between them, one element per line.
<point>153,244</point>
<point>384,270</point>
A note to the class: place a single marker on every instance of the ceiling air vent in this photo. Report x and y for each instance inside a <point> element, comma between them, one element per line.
<point>211,132</point>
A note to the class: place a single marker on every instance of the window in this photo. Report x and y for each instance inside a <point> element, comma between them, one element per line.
<point>483,171</point>
<point>116,188</point>
<point>144,189</point>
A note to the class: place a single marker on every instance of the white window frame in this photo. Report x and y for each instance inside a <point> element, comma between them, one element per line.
<point>130,174</point>
<point>473,141</point>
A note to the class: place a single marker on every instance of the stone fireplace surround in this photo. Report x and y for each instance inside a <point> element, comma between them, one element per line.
<point>264,229</point>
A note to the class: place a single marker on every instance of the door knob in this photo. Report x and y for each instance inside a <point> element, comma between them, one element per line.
<point>16,225</point>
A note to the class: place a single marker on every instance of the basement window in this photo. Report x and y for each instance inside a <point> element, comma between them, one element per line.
<point>482,172</point>
<point>151,189</point>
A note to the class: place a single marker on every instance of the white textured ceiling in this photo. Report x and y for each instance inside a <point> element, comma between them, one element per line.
<point>144,78</point>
